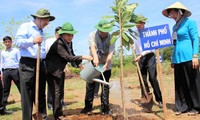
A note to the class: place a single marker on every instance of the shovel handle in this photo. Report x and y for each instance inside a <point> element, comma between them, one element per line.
<point>37,81</point>
<point>140,75</point>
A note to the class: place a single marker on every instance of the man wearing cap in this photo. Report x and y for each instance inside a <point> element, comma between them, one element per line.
<point>146,60</point>
<point>48,44</point>
<point>58,56</point>
<point>102,52</point>
<point>185,59</point>
<point>29,36</point>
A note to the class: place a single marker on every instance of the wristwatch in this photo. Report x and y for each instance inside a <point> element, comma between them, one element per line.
<point>195,56</point>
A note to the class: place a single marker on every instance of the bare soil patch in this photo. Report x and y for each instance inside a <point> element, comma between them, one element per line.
<point>74,100</point>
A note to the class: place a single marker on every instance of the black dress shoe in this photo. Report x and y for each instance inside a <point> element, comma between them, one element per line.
<point>106,112</point>
<point>50,106</point>
<point>61,118</point>
<point>2,111</point>
<point>86,110</point>
<point>8,112</point>
<point>193,112</point>
<point>178,113</point>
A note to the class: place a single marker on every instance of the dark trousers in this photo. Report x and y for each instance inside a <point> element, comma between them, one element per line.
<point>90,87</point>
<point>2,106</point>
<point>55,86</point>
<point>49,96</point>
<point>8,76</point>
<point>187,87</point>
<point>147,64</point>
<point>96,89</point>
<point>27,71</point>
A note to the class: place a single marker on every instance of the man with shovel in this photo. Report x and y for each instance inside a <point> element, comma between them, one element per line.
<point>29,38</point>
<point>147,62</point>
<point>102,52</point>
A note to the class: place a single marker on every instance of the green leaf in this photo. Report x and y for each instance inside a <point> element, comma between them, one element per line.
<point>126,17</point>
<point>121,3</point>
<point>125,44</point>
<point>128,47</point>
<point>128,26</point>
<point>116,18</point>
<point>113,38</point>
<point>114,9</point>
<point>133,33</point>
<point>124,29</point>
<point>131,7</point>
<point>116,33</point>
<point>113,21</point>
<point>107,17</point>
<point>130,40</point>
<point>124,35</point>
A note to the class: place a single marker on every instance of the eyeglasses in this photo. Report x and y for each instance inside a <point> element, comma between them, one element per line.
<point>46,19</point>
<point>170,15</point>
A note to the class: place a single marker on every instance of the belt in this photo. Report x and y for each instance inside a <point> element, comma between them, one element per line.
<point>9,69</point>
<point>150,53</point>
<point>31,59</point>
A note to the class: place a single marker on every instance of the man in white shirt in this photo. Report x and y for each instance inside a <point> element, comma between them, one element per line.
<point>28,38</point>
<point>50,41</point>
<point>147,62</point>
<point>10,67</point>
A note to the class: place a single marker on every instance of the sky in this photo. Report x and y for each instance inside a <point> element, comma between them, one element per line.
<point>85,14</point>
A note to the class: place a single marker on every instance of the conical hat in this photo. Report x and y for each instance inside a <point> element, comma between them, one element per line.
<point>176,5</point>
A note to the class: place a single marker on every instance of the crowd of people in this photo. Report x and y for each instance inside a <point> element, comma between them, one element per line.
<point>19,64</point>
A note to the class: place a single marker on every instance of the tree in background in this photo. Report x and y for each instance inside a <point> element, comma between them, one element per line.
<point>167,53</point>
<point>11,27</point>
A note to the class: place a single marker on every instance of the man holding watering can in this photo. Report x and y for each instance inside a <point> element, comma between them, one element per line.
<point>102,52</point>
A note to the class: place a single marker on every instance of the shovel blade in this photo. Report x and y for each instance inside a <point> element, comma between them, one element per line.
<point>147,102</point>
<point>39,117</point>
